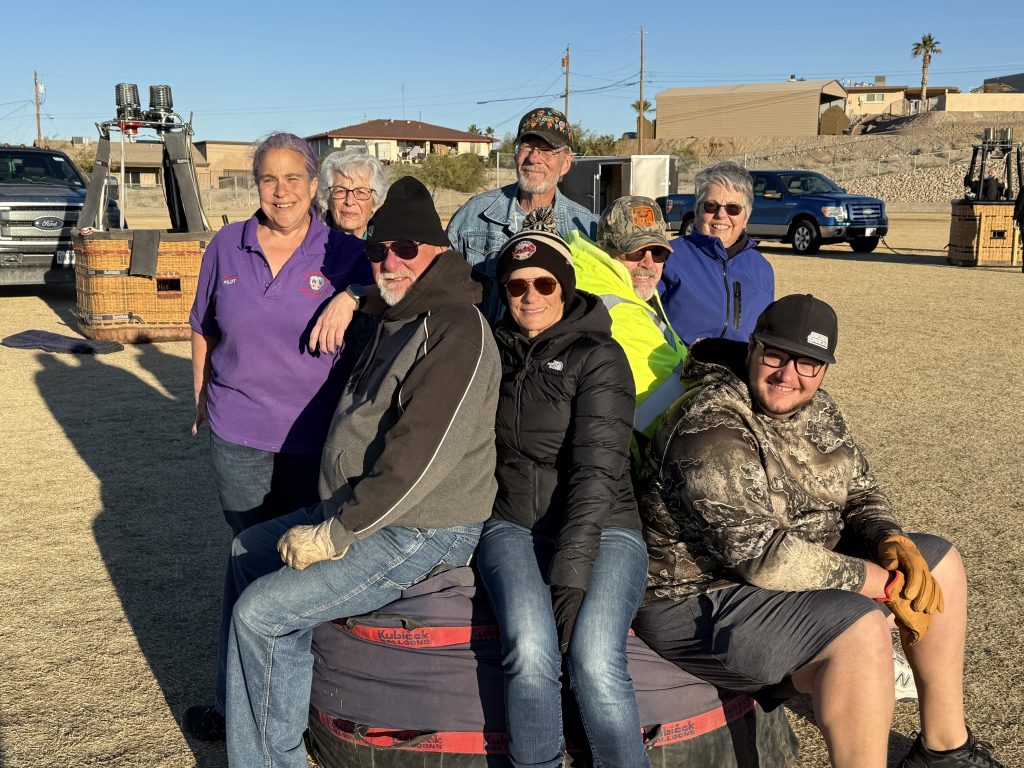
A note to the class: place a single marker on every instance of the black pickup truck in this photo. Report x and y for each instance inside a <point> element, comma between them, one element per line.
<point>803,208</point>
<point>41,195</point>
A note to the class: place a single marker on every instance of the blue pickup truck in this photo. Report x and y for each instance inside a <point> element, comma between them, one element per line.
<point>802,208</point>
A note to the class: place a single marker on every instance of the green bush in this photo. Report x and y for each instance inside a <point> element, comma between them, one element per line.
<point>463,173</point>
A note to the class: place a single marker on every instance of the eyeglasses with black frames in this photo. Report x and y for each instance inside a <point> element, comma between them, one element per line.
<point>403,249</point>
<point>807,367</point>
<point>361,194</point>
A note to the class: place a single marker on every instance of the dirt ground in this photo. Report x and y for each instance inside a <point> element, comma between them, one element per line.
<point>114,548</point>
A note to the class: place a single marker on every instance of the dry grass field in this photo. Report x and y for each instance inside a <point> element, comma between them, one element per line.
<point>113,546</point>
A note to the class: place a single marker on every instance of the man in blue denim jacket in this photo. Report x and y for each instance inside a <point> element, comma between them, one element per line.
<point>544,153</point>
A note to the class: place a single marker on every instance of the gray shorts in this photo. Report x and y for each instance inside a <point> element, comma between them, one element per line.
<point>748,639</point>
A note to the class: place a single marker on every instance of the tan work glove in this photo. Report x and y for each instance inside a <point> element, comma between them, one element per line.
<point>898,553</point>
<point>912,624</point>
<point>303,545</point>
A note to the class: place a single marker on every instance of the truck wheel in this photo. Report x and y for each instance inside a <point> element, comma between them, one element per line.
<point>864,244</point>
<point>686,225</point>
<point>805,238</point>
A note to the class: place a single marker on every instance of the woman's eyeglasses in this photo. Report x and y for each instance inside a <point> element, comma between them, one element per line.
<point>733,209</point>
<point>776,358</point>
<point>545,286</point>
<point>403,249</point>
<point>361,194</point>
<point>658,254</point>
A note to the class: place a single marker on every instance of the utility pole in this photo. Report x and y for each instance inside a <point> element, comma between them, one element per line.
<point>565,64</point>
<point>640,131</point>
<point>39,131</point>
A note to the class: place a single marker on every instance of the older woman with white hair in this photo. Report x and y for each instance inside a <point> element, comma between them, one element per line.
<point>352,186</point>
<point>716,282</point>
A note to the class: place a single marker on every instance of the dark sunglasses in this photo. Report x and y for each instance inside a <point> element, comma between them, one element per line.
<point>403,249</point>
<point>733,209</point>
<point>658,254</point>
<point>545,286</point>
<point>776,358</point>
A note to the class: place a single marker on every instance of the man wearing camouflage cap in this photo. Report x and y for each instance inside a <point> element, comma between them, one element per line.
<point>623,270</point>
<point>776,558</point>
<point>543,155</point>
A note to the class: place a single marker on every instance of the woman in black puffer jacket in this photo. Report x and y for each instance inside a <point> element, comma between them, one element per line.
<point>562,557</point>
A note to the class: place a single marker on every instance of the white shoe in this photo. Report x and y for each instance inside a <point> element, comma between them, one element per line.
<point>906,688</point>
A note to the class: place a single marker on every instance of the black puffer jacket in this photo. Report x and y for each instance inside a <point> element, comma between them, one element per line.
<point>564,424</point>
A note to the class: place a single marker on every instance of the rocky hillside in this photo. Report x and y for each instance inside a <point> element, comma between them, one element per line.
<point>919,159</point>
<point>931,185</point>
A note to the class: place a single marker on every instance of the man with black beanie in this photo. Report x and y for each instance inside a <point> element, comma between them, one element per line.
<point>406,481</point>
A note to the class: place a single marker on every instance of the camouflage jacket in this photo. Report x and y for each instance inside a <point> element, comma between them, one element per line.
<point>728,495</point>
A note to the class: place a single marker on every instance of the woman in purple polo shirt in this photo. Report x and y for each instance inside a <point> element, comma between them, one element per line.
<point>267,398</point>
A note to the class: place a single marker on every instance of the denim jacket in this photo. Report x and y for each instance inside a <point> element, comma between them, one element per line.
<point>481,226</point>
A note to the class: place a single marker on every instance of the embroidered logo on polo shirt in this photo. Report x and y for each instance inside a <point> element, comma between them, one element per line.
<point>313,284</point>
<point>229,279</point>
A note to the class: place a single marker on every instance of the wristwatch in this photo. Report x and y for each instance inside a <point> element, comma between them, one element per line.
<point>358,294</point>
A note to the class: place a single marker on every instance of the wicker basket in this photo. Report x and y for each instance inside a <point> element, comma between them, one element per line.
<point>983,234</point>
<point>116,306</point>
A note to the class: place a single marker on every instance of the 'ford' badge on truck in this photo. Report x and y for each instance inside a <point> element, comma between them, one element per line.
<point>49,222</point>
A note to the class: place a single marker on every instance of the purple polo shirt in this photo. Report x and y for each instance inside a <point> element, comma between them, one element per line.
<point>266,390</point>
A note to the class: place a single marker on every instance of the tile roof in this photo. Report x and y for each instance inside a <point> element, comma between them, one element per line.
<point>400,130</point>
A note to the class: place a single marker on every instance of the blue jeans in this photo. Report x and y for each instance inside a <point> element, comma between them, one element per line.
<point>513,561</point>
<point>269,664</point>
<point>255,486</point>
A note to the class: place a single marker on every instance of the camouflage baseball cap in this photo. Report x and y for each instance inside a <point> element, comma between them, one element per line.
<point>549,124</point>
<point>632,223</point>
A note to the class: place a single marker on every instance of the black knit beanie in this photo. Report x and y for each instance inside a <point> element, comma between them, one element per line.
<point>538,249</point>
<point>408,213</point>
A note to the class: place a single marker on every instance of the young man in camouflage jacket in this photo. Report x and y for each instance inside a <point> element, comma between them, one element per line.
<point>775,558</point>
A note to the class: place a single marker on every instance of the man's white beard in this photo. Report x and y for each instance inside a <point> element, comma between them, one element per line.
<point>389,294</point>
<point>646,294</point>
<point>533,187</point>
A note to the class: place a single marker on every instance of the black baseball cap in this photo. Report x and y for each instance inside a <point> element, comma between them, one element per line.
<point>549,124</point>
<point>801,324</point>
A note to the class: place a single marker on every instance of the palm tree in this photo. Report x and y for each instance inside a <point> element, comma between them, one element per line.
<point>641,118</point>
<point>647,106</point>
<point>925,48</point>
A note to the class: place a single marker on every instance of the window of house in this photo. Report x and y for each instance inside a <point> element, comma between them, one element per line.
<point>874,97</point>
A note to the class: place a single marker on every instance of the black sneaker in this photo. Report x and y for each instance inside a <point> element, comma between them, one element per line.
<point>203,722</point>
<point>973,754</point>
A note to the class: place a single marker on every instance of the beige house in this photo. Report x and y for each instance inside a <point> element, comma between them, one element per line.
<point>227,164</point>
<point>398,141</point>
<point>143,162</point>
<point>878,98</point>
<point>792,108</point>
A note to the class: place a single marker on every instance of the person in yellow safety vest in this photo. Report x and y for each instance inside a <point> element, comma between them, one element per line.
<point>623,269</point>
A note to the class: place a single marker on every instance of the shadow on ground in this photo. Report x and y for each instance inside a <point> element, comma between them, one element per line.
<point>161,540</point>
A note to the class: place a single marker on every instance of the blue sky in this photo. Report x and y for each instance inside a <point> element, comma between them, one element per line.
<point>245,69</point>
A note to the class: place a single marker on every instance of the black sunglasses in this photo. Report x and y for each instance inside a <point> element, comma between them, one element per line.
<point>658,254</point>
<point>545,286</point>
<point>403,249</point>
<point>733,209</point>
